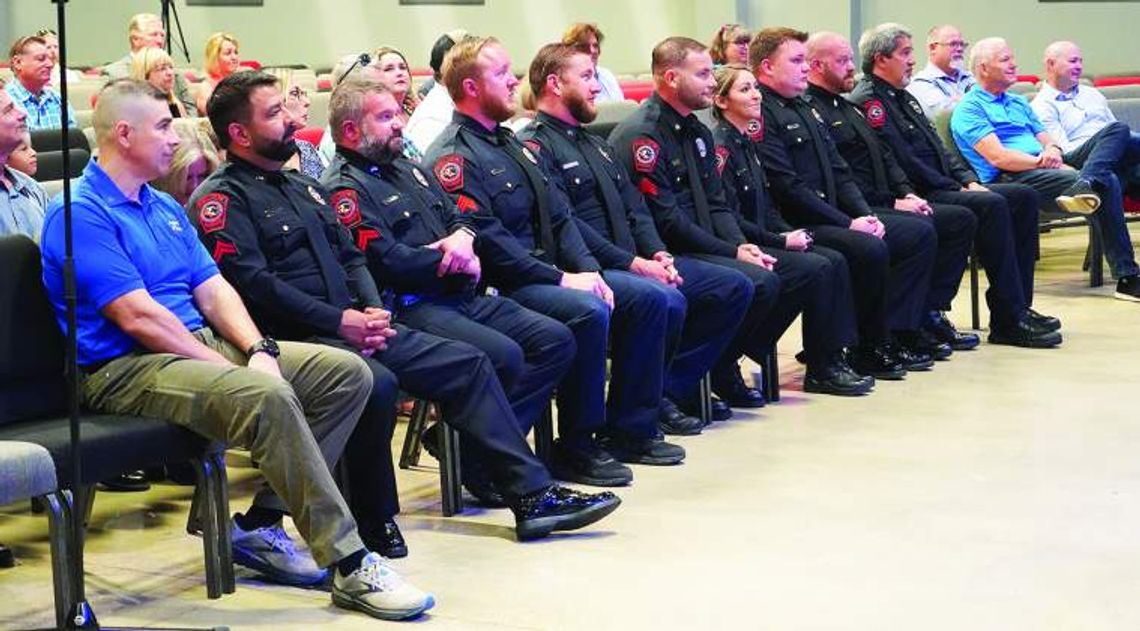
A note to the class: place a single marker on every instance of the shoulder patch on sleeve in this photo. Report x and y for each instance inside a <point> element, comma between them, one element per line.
<point>645,154</point>
<point>222,249</point>
<point>211,209</point>
<point>347,205</point>
<point>721,158</point>
<point>647,187</point>
<point>449,171</point>
<point>466,205</point>
<point>755,129</point>
<point>875,113</point>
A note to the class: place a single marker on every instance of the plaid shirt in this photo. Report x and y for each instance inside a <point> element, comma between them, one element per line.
<point>43,112</point>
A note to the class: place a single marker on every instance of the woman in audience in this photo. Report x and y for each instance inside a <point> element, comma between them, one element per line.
<point>194,160</point>
<point>222,60</point>
<point>730,45</point>
<point>396,76</point>
<point>307,160</point>
<point>588,39</point>
<point>154,66</point>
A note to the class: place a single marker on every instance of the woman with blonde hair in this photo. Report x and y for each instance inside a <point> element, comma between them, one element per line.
<point>194,160</point>
<point>730,45</point>
<point>222,60</point>
<point>154,66</point>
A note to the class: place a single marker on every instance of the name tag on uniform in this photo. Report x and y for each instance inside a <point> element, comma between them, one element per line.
<point>498,171</point>
<point>391,199</point>
<point>569,165</point>
<point>792,126</point>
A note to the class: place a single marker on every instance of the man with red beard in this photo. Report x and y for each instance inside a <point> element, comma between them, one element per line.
<point>705,302</point>
<point>531,250</point>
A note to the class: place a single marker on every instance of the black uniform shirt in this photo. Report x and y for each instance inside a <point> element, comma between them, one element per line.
<point>746,184</point>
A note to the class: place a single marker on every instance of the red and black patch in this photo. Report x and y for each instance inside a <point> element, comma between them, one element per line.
<point>364,236</point>
<point>347,206</point>
<point>722,154</point>
<point>466,204</point>
<point>222,249</point>
<point>449,171</point>
<point>647,187</point>
<point>755,129</point>
<point>645,154</point>
<point>875,113</point>
<point>212,211</point>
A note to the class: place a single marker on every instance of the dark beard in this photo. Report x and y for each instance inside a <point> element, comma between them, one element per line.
<point>495,110</point>
<point>581,109</point>
<point>381,152</point>
<point>276,150</point>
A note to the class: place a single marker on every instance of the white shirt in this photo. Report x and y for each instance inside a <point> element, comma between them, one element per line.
<point>430,118</point>
<point>938,91</point>
<point>1072,117</point>
<point>611,89</point>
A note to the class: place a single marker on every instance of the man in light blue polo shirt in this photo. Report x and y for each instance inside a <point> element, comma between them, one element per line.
<point>22,201</point>
<point>31,70</point>
<point>1003,140</point>
<point>1074,114</point>
<point>944,81</point>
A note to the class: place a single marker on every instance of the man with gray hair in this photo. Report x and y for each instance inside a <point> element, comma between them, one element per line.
<point>1004,141</point>
<point>1006,239</point>
<point>1074,114</point>
<point>144,30</point>
<point>945,79</point>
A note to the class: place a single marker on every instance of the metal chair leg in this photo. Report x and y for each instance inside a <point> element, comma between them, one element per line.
<point>208,522</point>
<point>221,497</point>
<point>410,454</point>
<point>975,308</point>
<point>67,586</point>
<point>705,396</point>
<point>544,434</point>
<point>771,370</point>
<point>450,484</point>
<point>1095,256</point>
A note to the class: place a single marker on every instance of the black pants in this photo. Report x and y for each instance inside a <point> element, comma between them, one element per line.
<point>954,227</point>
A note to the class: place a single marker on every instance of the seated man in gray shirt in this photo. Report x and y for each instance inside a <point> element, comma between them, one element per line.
<point>144,30</point>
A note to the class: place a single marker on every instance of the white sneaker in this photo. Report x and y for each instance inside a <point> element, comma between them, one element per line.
<point>271,552</point>
<point>377,590</point>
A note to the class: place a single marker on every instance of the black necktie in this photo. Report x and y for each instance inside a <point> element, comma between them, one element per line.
<point>927,128</point>
<point>611,199</point>
<point>808,115</point>
<point>545,239</point>
<point>696,184</point>
<point>853,118</point>
<point>336,281</point>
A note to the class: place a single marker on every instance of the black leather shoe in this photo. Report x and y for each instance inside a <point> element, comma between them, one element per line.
<point>919,341</point>
<point>484,492</point>
<point>387,540</point>
<point>836,377</point>
<point>910,359</point>
<point>1042,321</point>
<point>560,508</point>
<point>877,362</point>
<point>475,479</point>
<point>674,422</point>
<point>940,328</point>
<point>721,411</point>
<point>1025,335</point>
<point>130,482</point>
<point>587,465</point>
<point>730,387</point>
<point>651,451</point>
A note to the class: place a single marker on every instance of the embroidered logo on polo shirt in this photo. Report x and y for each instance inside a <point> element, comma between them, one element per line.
<point>347,207</point>
<point>212,211</point>
<point>875,112</point>
<point>645,153</point>
<point>449,172</point>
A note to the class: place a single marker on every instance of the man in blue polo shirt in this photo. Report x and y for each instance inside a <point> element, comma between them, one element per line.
<point>1004,141</point>
<point>163,335</point>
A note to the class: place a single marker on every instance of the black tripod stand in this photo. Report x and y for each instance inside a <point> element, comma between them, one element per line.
<point>170,9</point>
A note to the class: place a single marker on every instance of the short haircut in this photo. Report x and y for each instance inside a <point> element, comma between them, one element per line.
<point>347,103</point>
<point>983,51</point>
<point>439,50</point>
<point>462,63</point>
<point>726,36</point>
<point>21,43</point>
<point>578,35</point>
<point>135,24</point>
<point>672,52</point>
<point>214,49</point>
<point>550,59</point>
<point>880,41</point>
<point>726,77</point>
<point>112,100</point>
<point>230,101</point>
<point>766,42</point>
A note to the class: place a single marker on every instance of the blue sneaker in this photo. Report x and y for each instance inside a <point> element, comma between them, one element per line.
<point>271,552</point>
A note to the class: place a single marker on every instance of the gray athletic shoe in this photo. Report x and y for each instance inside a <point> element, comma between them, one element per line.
<point>271,552</point>
<point>377,590</point>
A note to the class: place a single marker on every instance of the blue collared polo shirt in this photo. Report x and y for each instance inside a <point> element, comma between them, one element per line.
<point>1008,115</point>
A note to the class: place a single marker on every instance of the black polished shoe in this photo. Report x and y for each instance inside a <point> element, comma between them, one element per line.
<point>721,411</point>
<point>651,451</point>
<point>919,341</point>
<point>730,387</point>
<point>387,540</point>
<point>837,378</point>
<point>1024,334</point>
<point>1042,321</point>
<point>130,482</point>
<point>942,329</point>
<point>474,479</point>
<point>484,492</point>
<point>560,508</point>
<point>876,361</point>
<point>674,422</point>
<point>909,358</point>
<point>590,465</point>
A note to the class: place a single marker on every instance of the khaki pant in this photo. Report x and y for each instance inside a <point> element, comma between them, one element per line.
<point>292,428</point>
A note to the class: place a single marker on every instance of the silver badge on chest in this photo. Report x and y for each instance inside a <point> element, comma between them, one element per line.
<point>317,196</point>
<point>701,148</point>
<point>420,178</point>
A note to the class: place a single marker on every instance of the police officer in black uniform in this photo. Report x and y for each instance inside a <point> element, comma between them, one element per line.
<point>885,186</point>
<point>530,249</point>
<point>706,302</point>
<point>279,244</point>
<point>671,156</point>
<point>1007,213</point>
<point>890,257</point>
<point>422,250</point>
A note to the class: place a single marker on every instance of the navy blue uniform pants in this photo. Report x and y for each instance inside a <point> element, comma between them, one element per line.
<point>954,227</point>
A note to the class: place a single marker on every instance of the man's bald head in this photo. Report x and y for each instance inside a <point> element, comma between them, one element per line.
<point>831,62</point>
<point>1064,64</point>
<point>121,100</point>
<point>986,50</point>
<point>945,47</point>
<point>821,42</point>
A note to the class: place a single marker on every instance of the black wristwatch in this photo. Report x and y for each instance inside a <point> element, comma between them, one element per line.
<point>265,345</point>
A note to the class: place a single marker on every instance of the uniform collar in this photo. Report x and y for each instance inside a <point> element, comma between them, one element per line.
<point>772,95</point>
<point>731,134</point>
<point>363,163</point>
<point>823,94</point>
<point>470,124</point>
<point>568,130</point>
<point>252,169</point>
<point>671,116</point>
<point>880,85</point>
